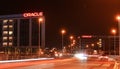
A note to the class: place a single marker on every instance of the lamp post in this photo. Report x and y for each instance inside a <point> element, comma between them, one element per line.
<point>113,31</point>
<point>63,32</point>
<point>118,18</point>
<point>71,41</point>
<point>71,38</point>
<point>79,38</point>
<point>40,21</point>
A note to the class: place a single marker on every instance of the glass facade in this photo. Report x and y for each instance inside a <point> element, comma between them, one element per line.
<point>20,31</point>
<point>7,32</point>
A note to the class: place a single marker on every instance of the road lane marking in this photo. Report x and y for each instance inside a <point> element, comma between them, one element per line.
<point>24,60</point>
<point>106,65</point>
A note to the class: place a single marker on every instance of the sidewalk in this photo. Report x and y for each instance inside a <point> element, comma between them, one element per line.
<point>117,65</point>
<point>117,62</point>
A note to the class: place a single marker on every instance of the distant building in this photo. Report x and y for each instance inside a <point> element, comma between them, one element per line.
<point>108,44</point>
<point>23,30</point>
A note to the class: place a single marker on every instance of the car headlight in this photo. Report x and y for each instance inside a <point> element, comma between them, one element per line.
<point>81,56</point>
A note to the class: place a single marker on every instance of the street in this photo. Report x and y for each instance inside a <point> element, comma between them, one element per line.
<point>69,63</point>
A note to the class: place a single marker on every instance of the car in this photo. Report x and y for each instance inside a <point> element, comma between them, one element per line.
<point>58,54</point>
<point>81,56</point>
<point>103,57</point>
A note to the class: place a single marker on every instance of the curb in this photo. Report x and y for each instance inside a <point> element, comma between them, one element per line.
<point>116,66</point>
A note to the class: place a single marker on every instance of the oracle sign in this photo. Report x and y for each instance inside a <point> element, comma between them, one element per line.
<point>86,36</point>
<point>35,14</point>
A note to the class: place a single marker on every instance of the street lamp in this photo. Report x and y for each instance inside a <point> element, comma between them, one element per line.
<point>113,31</point>
<point>71,39</point>
<point>63,32</point>
<point>79,38</point>
<point>40,21</point>
<point>118,18</point>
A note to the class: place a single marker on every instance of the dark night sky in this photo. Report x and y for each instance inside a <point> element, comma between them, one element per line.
<point>78,17</point>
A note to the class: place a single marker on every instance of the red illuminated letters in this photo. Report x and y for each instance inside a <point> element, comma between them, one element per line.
<point>86,36</point>
<point>35,14</point>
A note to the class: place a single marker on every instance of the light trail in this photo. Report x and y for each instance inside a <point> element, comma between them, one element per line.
<point>23,60</point>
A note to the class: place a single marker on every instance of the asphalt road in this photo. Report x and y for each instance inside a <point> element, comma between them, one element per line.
<point>71,63</point>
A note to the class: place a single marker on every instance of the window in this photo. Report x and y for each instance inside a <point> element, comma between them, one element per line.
<point>10,20</point>
<point>4,38</point>
<point>10,26</point>
<point>5,26</point>
<point>5,21</point>
<point>10,32</point>
<point>4,43</point>
<point>10,38</point>
<point>5,32</point>
<point>10,44</point>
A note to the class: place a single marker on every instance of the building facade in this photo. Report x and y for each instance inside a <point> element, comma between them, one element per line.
<point>23,30</point>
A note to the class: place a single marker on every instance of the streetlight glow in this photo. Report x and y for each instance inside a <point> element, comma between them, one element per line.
<point>113,31</point>
<point>118,17</point>
<point>40,19</point>
<point>71,37</point>
<point>63,31</point>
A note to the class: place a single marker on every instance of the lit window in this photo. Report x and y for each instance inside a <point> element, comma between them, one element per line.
<point>4,38</point>
<point>5,32</point>
<point>5,26</point>
<point>10,38</point>
<point>5,21</point>
<point>10,32</point>
<point>10,44</point>
<point>10,26</point>
<point>5,44</point>
<point>10,20</point>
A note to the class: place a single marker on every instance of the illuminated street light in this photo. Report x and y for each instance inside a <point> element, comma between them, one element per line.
<point>40,21</point>
<point>71,37</point>
<point>118,19</point>
<point>113,31</point>
<point>63,32</point>
<point>74,41</point>
<point>71,40</point>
